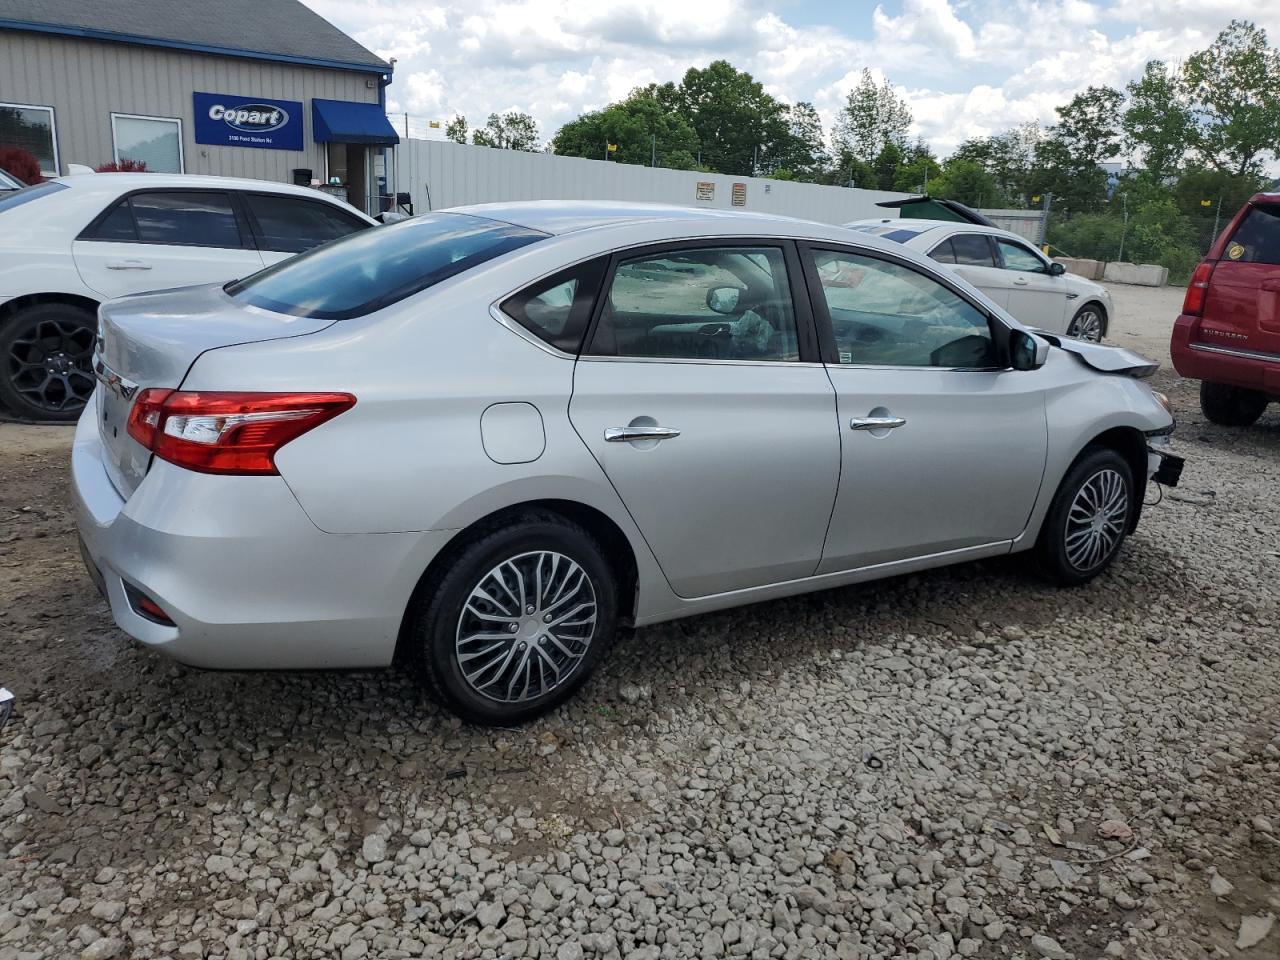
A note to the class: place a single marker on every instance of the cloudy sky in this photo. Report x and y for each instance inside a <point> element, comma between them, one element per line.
<point>967,67</point>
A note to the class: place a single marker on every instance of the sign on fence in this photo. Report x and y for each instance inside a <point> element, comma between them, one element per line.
<point>706,190</point>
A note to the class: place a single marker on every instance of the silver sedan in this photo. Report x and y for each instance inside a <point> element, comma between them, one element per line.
<point>481,441</point>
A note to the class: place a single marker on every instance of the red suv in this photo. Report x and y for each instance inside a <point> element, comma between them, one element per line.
<point>1228,336</point>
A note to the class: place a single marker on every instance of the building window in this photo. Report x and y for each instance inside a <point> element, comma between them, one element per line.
<point>31,128</point>
<point>155,141</point>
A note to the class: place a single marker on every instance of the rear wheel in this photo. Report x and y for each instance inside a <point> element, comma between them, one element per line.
<point>1231,406</point>
<point>46,357</point>
<point>1089,323</point>
<point>1088,519</point>
<point>517,622</point>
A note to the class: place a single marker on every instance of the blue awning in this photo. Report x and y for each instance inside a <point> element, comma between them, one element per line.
<point>340,121</point>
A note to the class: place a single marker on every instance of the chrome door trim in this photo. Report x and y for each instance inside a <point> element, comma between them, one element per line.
<point>876,423</point>
<point>784,364</point>
<point>1231,352</point>
<point>632,434</point>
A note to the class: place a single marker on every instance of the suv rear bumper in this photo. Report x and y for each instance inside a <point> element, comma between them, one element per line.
<point>1233,366</point>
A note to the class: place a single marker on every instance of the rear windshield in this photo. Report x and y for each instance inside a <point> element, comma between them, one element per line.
<point>372,269</point>
<point>1257,239</point>
<point>16,199</point>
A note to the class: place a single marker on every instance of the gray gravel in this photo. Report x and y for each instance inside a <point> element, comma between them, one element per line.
<point>959,764</point>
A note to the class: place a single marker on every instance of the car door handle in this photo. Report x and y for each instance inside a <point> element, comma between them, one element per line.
<point>1020,281</point>
<point>632,434</point>
<point>128,265</point>
<point>876,423</point>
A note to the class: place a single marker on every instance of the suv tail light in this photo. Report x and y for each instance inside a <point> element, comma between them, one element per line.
<point>1198,289</point>
<point>237,433</point>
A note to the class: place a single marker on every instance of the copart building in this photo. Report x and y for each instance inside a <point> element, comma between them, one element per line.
<point>247,88</point>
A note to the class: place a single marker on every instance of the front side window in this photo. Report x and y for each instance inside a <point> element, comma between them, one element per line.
<point>1018,257</point>
<point>366,271</point>
<point>701,303</point>
<point>556,309</point>
<point>886,314</point>
<point>972,250</point>
<point>294,224</point>
<point>1257,239</point>
<point>32,129</point>
<point>155,141</point>
<point>199,218</point>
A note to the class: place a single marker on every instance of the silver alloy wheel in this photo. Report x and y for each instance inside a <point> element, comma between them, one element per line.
<point>1096,520</point>
<point>526,626</point>
<point>1087,325</point>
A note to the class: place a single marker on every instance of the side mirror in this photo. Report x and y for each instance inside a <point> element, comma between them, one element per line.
<point>724,299</point>
<point>1027,351</point>
<point>1056,269</point>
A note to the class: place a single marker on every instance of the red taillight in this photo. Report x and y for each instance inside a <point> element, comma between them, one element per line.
<point>215,432</point>
<point>1198,289</point>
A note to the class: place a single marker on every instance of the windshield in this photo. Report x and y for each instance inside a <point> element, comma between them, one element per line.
<point>372,269</point>
<point>18,197</point>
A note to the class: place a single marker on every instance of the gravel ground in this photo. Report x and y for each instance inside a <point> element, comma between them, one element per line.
<point>963,763</point>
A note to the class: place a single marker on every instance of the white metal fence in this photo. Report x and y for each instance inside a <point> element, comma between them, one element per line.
<point>444,174</point>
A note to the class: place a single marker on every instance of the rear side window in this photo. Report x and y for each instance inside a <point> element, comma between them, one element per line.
<point>185,218</point>
<point>366,271</point>
<point>556,310</point>
<point>972,250</point>
<point>295,224</point>
<point>943,252</point>
<point>18,197</point>
<point>1257,239</point>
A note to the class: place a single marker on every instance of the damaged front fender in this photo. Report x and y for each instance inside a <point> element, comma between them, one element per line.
<point>1102,357</point>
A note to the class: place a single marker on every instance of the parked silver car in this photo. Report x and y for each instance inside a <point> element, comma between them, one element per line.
<point>481,440</point>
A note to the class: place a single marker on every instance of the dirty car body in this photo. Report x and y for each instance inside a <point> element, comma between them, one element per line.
<point>482,439</point>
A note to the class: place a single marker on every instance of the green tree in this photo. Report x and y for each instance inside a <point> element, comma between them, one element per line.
<point>740,128</point>
<point>510,131</point>
<point>1200,184</point>
<point>1089,126</point>
<point>872,116</point>
<point>803,155</point>
<point>641,126</point>
<point>888,161</point>
<point>968,182</point>
<point>1234,88</point>
<point>1157,121</point>
<point>456,129</point>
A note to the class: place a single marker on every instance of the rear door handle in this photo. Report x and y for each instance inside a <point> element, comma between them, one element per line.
<point>876,423</point>
<point>128,265</point>
<point>632,434</point>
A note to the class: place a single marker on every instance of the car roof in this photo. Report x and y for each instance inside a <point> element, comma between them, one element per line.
<point>557,217</point>
<point>918,227</point>
<point>117,183</point>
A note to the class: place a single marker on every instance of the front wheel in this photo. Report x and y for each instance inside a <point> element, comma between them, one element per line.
<point>46,356</point>
<point>517,621</point>
<point>1088,519</point>
<point>1231,406</point>
<point>1089,323</point>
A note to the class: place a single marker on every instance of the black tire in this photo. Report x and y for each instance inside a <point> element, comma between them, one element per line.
<point>46,361</point>
<point>436,621</point>
<point>1093,316</point>
<point>1231,406</point>
<point>1063,536</point>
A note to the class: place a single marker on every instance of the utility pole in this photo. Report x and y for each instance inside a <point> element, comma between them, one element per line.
<point>653,149</point>
<point>1124,229</point>
<point>755,159</point>
<point>1044,219</point>
<point>1216,212</point>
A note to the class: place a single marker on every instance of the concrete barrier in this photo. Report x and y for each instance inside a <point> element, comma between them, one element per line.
<point>1089,269</point>
<point>1142,274</point>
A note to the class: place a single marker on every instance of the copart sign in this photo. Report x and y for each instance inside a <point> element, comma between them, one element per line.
<point>232,121</point>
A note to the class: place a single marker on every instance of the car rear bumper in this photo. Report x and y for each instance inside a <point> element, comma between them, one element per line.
<point>1225,364</point>
<point>248,581</point>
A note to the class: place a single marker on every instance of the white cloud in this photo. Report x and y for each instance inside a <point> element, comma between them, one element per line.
<point>967,67</point>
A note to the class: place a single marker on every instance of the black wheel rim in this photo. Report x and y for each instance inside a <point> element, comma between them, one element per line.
<point>51,364</point>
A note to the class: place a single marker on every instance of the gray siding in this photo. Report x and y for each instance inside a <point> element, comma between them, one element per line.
<point>85,81</point>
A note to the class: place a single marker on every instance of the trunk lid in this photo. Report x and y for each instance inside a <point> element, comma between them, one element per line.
<point>151,340</point>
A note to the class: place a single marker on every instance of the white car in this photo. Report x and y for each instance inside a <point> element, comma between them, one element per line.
<point>1009,270</point>
<point>72,243</point>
